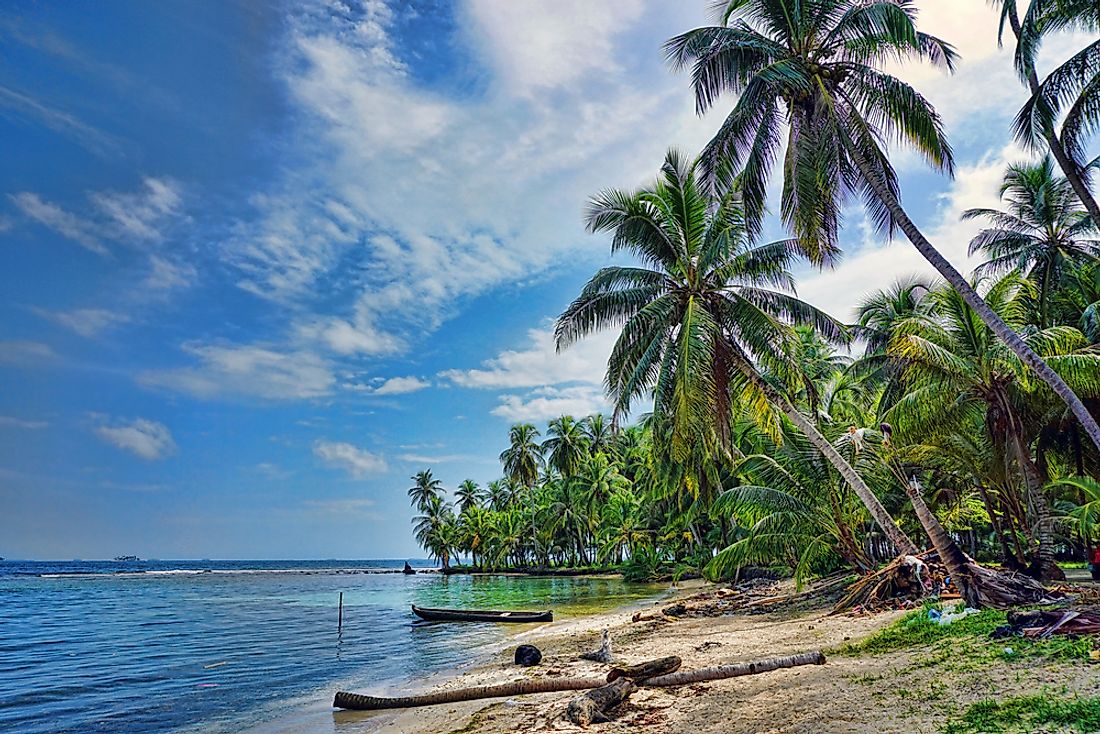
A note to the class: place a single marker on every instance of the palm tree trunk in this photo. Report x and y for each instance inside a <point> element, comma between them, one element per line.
<point>950,553</point>
<point>897,536</point>
<point>1044,521</point>
<point>991,319</point>
<point>1068,166</point>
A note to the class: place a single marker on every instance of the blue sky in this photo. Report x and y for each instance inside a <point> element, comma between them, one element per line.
<point>261,263</point>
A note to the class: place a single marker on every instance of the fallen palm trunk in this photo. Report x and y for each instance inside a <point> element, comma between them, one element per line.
<point>595,706</point>
<point>360,702</point>
<point>648,669</point>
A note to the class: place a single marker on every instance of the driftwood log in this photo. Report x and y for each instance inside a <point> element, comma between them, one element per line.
<point>602,654</point>
<point>595,705</point>
<point>359,702</point>
<point>648,669</point>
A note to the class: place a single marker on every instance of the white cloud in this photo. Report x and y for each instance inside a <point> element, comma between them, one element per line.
<point>499,178</point>
<point>346,507</point>
<point>438,458</point>
<point>140,214</point>
<point>60,121</point>
<point>540,363</point>
<point>252,370</point>
<point>400,386</point>
<point>87,322</point>
<point>25,352</point>
<point>51,216</point>
<point>145,438</point>
<point>545,403</point>
<point>166,275</point>
<point>11,422</point>
<point>355,461</point>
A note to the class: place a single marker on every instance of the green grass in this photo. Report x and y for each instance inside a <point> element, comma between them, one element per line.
<point>964,644</point>
<point>1073,564</point>
<point>1028,713</point>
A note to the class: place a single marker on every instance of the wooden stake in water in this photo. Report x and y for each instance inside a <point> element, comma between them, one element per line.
<point>340,618</point>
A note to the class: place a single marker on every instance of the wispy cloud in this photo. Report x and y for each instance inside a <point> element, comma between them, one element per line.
<point>400,386</point>
<point>87,322</point>
<point>250,370</point>
<point>7,421</point>
<point>51,216</point>
<point>357,462</point>
<point>145,438</point>
<point>25,353</point>
<point>545,403</point>
<point>61,122</point>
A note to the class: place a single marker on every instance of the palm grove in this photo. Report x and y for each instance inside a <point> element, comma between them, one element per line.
<point>766,432</point>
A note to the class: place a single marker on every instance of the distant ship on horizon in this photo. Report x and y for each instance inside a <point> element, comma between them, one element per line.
<point>127,558</point>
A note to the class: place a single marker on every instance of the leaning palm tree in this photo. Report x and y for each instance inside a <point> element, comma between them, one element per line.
<point>1071,92</point>
<point>1042,233</point>
<point>425,490</point>
<point>697,315</point>
<point>816,68</point>
<point>1039,128</point>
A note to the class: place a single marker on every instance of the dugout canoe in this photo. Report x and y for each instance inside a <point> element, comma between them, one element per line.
<point>480,615</point>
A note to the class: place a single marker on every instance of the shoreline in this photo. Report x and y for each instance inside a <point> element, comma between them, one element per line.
<point>917,687</point>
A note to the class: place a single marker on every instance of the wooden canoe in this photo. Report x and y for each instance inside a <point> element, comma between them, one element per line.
<point>476,615</point>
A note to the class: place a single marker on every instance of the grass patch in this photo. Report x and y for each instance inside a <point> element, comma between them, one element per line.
<point>1073,564</point>
<point>963,644</point>
<point>1028,713</point>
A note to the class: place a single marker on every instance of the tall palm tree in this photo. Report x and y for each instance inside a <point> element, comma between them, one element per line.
<point>878,313</point>
<point>523,457</point>
<point>817,68</point>
<point>1042,233</point>
<point>1042,127</point>
<point>696,316</point>
<point>567,444</point>
<point>468,495</point>
<point>498,495</point>
<point>425,490</point>
<point>435,529</point>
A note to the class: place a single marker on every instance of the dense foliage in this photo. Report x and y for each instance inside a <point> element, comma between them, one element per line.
<point>777,435</point>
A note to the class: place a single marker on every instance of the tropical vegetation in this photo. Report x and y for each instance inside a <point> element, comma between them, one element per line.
<point>749,429</point>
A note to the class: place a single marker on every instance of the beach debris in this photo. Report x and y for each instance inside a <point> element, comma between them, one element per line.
<point>648,669</point>
<point>675,610</point>
<point>1043,623</point>
<point>594,707</point>
<point>947,616</point>
<point>215,665</point>
<point>361,702</point>
<point>602,654</point>
<point>528,655</point>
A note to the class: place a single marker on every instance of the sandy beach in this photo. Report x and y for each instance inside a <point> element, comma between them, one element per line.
<point>900,691</point>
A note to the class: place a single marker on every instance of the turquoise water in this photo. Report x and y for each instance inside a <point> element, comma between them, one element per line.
<point>224,646</point>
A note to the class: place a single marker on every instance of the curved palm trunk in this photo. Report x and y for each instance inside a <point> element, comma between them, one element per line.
<point>991,319</point>
<point>1068,166</point>
<point>881,516</point>
<point>979,586</point>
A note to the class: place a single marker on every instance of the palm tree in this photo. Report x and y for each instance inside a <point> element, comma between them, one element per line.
<point>817,67</point>
<point>468,495</point>
<point>1040,127</point>
<point>435,529</point>
<point>499,495</point>
<point>696,314</point>
<point>567,444</point>
<point>599,433</point>
<point>955,366</point>
<point>1075,83</point>
<point>425,489</point>
<point>878,313</point>
<point>523,457</point>
<point>1042,233</point>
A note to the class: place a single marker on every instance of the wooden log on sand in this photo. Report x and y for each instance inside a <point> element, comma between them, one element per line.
<point>648,669</point>
<point>593,707</point>
<point>359,702</point>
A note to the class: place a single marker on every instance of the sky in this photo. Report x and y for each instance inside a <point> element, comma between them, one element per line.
<point>262,262</point>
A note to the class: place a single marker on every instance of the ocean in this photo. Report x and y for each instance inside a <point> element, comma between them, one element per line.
<point>232,646</point>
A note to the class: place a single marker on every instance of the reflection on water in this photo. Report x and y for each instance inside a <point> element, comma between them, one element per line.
<point>218,652</point>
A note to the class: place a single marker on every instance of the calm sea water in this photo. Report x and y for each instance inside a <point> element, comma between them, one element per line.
<point>221,646</point>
